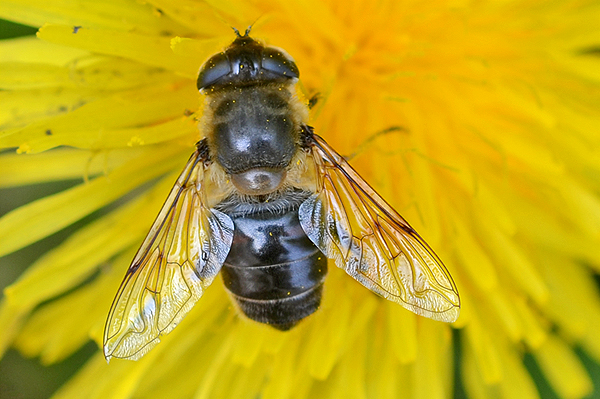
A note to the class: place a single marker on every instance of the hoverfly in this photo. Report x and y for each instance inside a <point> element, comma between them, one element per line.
<point>262,199</point>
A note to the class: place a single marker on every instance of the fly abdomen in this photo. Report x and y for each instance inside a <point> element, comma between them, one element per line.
<point>273,271</point>
<point>279,295</point>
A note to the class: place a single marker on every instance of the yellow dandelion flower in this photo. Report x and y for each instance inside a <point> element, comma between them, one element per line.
<point>477,121</point>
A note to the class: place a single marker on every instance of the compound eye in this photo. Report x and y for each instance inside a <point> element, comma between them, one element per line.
<point>278,62</point>
<point>213,70</point>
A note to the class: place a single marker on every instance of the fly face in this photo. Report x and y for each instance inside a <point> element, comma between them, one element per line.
<point>246,62</point>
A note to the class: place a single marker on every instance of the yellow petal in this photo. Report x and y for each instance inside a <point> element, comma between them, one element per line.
<point>582,205</point>
<point>87,377</point>
<point>480,345</point>
<point>27,106</point>
<point>535,329</point>
<point>119,380</point>
<point>574,303</point>
<point>149,50</point>
<point>32,50</point>
<point>505,314</point>
<point>75,259</point>
<point>103,73</point>
<point>16,75</point>
<point>193,15</point>
<point>473,380</point>
<point>124,15</point>
<point>280,385</point>
<point>248,343</point>
<point>197,51</point>
<point>545,229</point>
<point>383,370</point>
<point>494,207</point>
<point>312,16</point>
<point>517,382</point>
<point>129,137</point>
<point>563,369</point>
<point>12,319</point>
<point>475,260</point>
<point>86,126</point>
<point>425,196</point>
<point>351,377</point>
<point>194,342</point>
<point>328,334</point>
<point>512,260</point>
<point>590,340</point>
<point>247,383</point>
<point>216,363</point>
<point>403,333</point>
<point>364,305</point>
<point>66,88</point>
<point>58,329</point>
<point>45,216</point>
<point>60,164</point>
<point>432,369</point>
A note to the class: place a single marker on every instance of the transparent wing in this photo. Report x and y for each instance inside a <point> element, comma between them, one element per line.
<point>179,258</point>
<point>351,224</point>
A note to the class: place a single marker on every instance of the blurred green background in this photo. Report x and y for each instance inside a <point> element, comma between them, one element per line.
<point>23,378</point>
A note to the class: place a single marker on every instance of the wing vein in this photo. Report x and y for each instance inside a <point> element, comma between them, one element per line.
<point>385,253</point>
<point>162,284</point>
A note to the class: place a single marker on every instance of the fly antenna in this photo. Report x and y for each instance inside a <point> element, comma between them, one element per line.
<point>246,33</point>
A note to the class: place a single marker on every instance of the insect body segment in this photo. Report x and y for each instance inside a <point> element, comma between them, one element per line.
<point>273,271</point>
<point>276,202</point>
<point>246,62</point>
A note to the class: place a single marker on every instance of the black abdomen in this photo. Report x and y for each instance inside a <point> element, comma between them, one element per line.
<point>273,271</point>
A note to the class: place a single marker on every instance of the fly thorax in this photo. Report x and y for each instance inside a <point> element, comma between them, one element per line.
<point>254,137</point>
